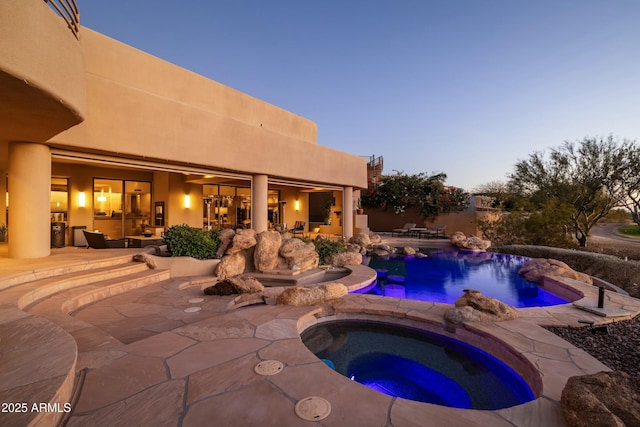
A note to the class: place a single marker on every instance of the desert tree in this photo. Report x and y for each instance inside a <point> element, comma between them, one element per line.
<point>582,176</point>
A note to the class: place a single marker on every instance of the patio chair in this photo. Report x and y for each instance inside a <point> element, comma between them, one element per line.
<point>298,227</point>
<point>436,231</point>
<point>406,229</point>
<point>97,240</point>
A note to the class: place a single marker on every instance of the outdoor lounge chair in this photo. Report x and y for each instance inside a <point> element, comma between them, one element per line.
<point>97,240</point>
<point>298,227</point>
<point>436,231</point>
<point>406,229</point>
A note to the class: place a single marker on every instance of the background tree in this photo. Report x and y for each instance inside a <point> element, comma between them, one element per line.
<point>580,177</point>
<point>502,194</point>
<point>626,188</point>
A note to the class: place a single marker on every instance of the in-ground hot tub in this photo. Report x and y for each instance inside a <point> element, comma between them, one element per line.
<point>418,365</point>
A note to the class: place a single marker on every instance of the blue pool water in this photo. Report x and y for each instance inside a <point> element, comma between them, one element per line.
<point>443,276</point>
<point>417,365</point>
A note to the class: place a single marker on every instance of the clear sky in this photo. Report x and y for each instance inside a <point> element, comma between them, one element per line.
<point>464,87</point>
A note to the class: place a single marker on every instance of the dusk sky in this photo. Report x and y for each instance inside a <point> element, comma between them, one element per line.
<point>467,88</point>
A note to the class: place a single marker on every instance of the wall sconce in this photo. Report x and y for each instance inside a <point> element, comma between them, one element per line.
<point>187,201</point>
<point>297,205</point>
<point>82,199</point>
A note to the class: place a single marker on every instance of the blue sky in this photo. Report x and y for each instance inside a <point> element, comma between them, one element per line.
<point>467,88</point>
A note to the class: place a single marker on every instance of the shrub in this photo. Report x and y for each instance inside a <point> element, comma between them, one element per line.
<point>326,247</point>
<point>183,240</point>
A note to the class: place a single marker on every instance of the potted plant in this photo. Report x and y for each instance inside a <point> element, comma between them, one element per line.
<point>327,202</point>
<point>3,232</point>
<point>359,209</point>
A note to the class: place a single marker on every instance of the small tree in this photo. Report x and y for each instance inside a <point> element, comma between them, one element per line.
<point>580,176</point>
<point>626,185</point>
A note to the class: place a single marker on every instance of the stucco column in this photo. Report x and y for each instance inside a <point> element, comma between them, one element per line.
<point>29,200</point>
<point>3,197</point>
<point>347,212</point>
<point>259,203</point>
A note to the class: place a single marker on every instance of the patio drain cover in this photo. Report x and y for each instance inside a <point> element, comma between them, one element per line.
<point>195,300</point>
<point>313,408</point>
<point>269,367</point>
<point>192,309</point>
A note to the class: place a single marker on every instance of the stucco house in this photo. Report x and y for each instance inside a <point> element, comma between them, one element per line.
<point>98,134</point>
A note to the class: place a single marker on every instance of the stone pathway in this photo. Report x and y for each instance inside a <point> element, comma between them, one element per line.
<point>149,358</point>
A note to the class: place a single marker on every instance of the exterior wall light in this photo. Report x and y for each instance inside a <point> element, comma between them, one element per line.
<point>187,201</point>
<point>297,205</point>
<point>82,199</point>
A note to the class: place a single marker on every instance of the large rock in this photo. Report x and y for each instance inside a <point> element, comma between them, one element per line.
<point>299,296</point>
<point>472,306</point>
<point>471,243</point>
<point>535,269</point>
<point>605,399</point>
<point>375,238</point>
<point>381,250</point>
<point>408,250</point>
<point>361,239</point>
<point>299,255</point>
<point>265,256</point>
<point>226,236</point>
<point>235,285</point>
<point>243,239</point>
<point>345,258</point>
<point>231,265</point>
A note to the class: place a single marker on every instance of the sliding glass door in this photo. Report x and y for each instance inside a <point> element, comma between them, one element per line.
<point>121,208</point>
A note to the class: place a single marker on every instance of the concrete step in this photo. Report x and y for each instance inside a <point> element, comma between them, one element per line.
<point>53,268</point>
<point>37,290</point>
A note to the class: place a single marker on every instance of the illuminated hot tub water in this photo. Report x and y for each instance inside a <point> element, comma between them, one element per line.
<point>417,365</point>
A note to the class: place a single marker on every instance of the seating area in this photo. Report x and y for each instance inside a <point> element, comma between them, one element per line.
<point>437,231</point>
<point>97,240</point>
<point>404,231</point>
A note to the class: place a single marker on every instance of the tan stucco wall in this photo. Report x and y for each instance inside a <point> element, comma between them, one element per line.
<point>42,74</point>
<point>386,220</point>
<point>140,105</point>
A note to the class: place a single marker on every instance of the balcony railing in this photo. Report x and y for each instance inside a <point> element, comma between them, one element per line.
<point>68,10</point>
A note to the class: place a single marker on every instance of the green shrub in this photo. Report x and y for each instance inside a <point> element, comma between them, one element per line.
<point>326,247</point>
<point>183,240</point>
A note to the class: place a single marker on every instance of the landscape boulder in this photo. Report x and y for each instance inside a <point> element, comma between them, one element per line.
<point>226,236</point>
<point>535,269</point>
<point>265,255</point>
<point>243,239</point>
<point>471,243</point>
<point>244,284</point>
<point>472,306</point>
<point>375,239</point>
<point>381,250</point>
<point>299,296</point>
<point>361,239</point>
<point>345,258</point>
<point>408,250</point>
<point>231,265</point>
<point>299,255</point>
<point>604,399</point>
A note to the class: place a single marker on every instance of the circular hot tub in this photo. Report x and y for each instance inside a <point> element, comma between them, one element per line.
<point>417,365</point>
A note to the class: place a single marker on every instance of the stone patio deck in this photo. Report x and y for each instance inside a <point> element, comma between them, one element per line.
<point>146,357</point>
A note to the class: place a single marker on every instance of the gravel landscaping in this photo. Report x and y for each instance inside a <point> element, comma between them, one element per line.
<point>617,346</point>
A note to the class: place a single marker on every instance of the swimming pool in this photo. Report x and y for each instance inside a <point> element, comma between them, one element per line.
<point>443,276</point>
<point>417,365</point>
